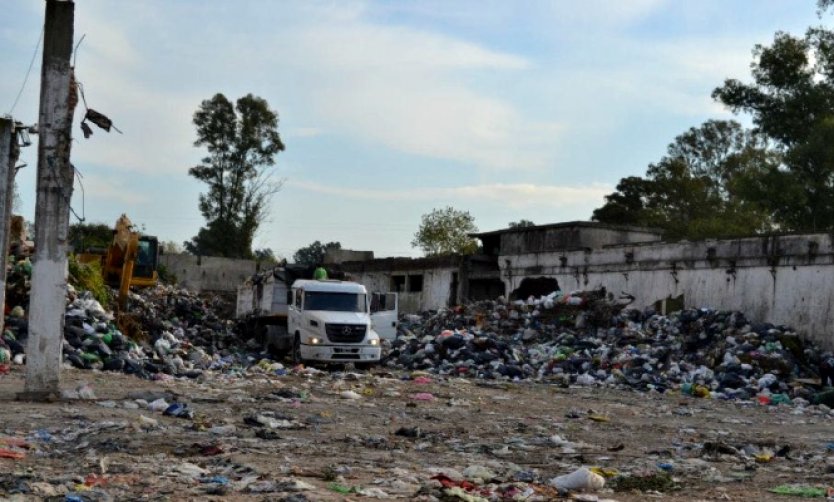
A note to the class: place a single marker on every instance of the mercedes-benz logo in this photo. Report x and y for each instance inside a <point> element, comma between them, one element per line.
<point>347,331</point>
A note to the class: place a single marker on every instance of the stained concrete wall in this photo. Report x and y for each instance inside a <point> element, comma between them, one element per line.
<point>434,294</point>
<point>781,279</point>
<point>574,236</point>
<point>333,256</point>
<point>208,273</point>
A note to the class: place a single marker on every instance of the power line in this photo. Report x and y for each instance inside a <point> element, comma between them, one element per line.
<point>28,71</point>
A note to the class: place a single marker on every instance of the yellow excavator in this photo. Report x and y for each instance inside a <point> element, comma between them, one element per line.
<point>130,260</point>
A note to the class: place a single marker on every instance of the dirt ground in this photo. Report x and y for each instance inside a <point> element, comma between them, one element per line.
<point>315,438</point>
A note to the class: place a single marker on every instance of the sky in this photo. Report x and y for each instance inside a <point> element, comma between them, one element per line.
<point>388,109</point>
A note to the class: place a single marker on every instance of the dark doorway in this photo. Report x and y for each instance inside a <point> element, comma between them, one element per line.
<point>453,290</point>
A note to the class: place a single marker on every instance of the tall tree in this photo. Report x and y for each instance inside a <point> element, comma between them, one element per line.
<point>86,235</point>
<point>445,231</point>
<point>313,254</point>
<point>791,101</point>
<point>699,188</point>
<point>242,142</point>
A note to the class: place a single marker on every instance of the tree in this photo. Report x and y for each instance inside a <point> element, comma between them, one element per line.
<point>446,231</point>
<point>313,254</point>
<point>265,255</point>
<point>521,223</point>
<point>242,143</point>
<point>701,188</point>
<point>86,235</point>
<point>172,247</point>
<point>791,101</point>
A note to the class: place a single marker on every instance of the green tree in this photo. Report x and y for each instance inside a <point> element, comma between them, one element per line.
<point>521,223</point>
<point>313,254</point>
<point>242,142</point>
<point>701,188</point>
<point>87,235</point>
<point>446,231</point>
<point>791,101</point>
<point>265,255</point>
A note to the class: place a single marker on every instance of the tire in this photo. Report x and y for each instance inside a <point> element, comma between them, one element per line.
<point>296,350</point>
<point>276,342</point>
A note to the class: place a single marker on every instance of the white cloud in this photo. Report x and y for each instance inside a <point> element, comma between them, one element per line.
<point>516,195</point>
<point>602,15</point>
<point>410,90</point>
<point>415,92</point>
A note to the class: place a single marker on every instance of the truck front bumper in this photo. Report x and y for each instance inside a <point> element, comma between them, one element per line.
<point>341,353</point>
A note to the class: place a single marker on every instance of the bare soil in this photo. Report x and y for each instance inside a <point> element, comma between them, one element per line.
<point>322,438</point>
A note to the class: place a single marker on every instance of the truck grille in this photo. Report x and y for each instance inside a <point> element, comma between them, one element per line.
<point>345,333</point>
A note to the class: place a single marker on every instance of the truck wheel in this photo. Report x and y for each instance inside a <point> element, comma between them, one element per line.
<point>277,341</point>
<point>296,350</point>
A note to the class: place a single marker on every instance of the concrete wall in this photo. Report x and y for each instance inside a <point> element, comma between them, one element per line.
<point>208,273</point>
<point>434,294</point>
<point>780,279</point>
<point>333,256</point>
<point>542,239</point>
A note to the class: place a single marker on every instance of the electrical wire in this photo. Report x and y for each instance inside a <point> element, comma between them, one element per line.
<point>28,71</point>
<point>83,217</point>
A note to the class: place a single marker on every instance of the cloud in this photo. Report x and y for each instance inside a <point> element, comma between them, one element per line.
<point>416,92</point>
<point>602,15</point>
<point>516,195</point>
<point>406,89</point>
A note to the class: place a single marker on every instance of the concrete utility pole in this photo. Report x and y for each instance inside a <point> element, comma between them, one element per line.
<point>8,159</point>
<point>55,177</point>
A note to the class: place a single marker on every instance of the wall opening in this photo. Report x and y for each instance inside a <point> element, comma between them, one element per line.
<point>453,290</point>
<point>415,283</point>
<point>534,286</point>
<point>398,283</point>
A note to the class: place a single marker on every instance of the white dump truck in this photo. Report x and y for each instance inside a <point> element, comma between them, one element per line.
<point>325,321</point>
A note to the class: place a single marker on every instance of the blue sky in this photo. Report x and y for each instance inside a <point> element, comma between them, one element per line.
<point>389,109</point>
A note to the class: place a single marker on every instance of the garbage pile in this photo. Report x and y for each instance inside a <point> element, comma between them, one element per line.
<point>568,339</point>
<point>168,332</point>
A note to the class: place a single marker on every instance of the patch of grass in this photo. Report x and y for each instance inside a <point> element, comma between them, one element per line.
<point>87,277</point>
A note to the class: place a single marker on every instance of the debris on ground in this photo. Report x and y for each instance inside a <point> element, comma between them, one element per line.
<point>573,396</point>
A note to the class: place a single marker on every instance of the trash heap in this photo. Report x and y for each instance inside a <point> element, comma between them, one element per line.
<point>588,338</point>
<point>168,332</point>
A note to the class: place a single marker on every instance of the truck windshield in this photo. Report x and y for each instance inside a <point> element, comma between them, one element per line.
<point>336,302</point>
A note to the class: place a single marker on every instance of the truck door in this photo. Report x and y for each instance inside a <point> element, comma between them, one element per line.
<point>384,315</point>
<point>294,312</point>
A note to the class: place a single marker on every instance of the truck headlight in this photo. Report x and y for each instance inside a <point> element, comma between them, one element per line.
<point>314,341</point>
<point>374,341</point>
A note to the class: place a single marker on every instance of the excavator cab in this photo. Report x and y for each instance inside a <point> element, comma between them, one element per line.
<point>147,259</point>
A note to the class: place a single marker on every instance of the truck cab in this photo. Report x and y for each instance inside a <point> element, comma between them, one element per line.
<point>330,321</point>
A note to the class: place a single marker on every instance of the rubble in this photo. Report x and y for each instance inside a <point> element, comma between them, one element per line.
<point>490,401</point>
<point>169,332</point>
<point>588,339</point>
